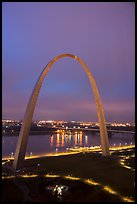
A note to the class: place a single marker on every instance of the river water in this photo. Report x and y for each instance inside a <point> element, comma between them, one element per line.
<point>40,144</point>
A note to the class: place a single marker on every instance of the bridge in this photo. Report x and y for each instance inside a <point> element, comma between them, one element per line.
<point>97,130</point>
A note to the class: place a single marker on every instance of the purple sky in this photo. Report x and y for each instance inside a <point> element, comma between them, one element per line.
<point>102,34</point>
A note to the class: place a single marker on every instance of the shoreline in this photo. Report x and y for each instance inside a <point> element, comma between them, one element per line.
<point>47,132</point>
<point>72,151</point>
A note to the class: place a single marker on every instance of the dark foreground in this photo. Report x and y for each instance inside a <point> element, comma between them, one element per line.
<point>88,177</point>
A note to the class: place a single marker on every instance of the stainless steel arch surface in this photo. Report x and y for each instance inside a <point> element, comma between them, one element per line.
<point>25,128</point>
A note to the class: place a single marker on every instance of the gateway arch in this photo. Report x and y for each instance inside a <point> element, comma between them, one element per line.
<point>25,128</point>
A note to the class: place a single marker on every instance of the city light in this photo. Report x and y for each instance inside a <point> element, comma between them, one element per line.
<point>57,123</point>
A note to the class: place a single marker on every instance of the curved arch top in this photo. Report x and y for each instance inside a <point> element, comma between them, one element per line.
<point>25,128</point>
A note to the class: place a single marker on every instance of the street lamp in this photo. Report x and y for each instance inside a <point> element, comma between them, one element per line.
<point>11,154</point>
<point>66,150</point>
<point>56,150</point>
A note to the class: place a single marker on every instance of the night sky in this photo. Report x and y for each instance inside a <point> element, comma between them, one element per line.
<point>102,34</point>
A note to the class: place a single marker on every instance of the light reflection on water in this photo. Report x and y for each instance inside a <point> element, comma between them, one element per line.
<point>39,144</point>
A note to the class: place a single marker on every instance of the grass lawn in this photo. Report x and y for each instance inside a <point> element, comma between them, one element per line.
<point>10,192</point>
<point>105,170</point>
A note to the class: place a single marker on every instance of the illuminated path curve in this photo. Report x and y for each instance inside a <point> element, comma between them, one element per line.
<point>24,132</point>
